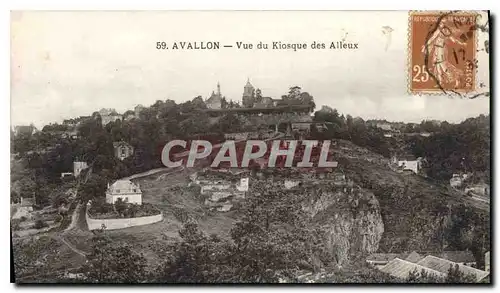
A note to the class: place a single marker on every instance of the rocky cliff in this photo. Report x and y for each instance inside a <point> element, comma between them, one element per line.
<point>348,216</point>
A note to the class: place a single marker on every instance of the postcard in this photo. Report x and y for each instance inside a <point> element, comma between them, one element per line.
<point>255,147</point>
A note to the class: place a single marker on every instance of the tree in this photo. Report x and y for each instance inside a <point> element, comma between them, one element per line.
<point>120,206</point>
<point>456,276</point>
<point>422,277</point>
<point>109,262</point>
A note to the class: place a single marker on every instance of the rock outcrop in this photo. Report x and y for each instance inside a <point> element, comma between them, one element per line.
<point>350,218</point>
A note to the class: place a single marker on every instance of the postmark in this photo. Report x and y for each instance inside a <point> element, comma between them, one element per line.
<point>442,52</point>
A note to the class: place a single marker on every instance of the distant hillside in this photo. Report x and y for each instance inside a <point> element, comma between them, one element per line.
<point>418,213</point>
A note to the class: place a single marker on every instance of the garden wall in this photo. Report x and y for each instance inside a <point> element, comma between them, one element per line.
<point>113,224</point>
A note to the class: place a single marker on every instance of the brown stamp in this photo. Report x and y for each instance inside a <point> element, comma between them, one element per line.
<point>442,52</point>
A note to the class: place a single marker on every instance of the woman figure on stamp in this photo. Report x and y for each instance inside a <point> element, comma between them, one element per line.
<point>439,65</point>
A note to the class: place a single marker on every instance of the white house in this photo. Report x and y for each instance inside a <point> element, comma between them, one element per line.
<point>243,185</point>
<point>410,164</point>
<point>126,190</point>
<point>78,167</point>
<point>458,179</point>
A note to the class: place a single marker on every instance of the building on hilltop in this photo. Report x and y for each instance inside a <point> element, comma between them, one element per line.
<point>126,190</point>
<point>123,149</point>
<point>109,115</point>
<point>215,99</point>
<point>137,110</point>
<point>407,163</point>
<point>24,129</point>
<point>248,99</point>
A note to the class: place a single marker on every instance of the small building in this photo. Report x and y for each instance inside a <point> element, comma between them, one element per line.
<point>410,163</point>
<point>123,150</point>
<point>78,167</point>
<point>109,115</point>
<point>481,189</point>
<point>106,119</point>
<point>243,186</point>
<point>456,181</point>
<point>384,126</point>
<point>126,190</point>
<point>66,175</point>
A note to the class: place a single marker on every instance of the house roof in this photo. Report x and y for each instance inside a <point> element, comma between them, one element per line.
<point>414,257</point>
<point>456,256</point>
<point>401,269</point>
<point>443,266</point>
<point>407,158</point>
<point>119,143</point>
<point>122,186</point>
<point>385,256</point>
<point>214,98</point>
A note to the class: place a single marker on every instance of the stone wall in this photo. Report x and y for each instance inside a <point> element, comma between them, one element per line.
<point>113,224</point>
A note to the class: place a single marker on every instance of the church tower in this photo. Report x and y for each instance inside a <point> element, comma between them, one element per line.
<point>248,95</point>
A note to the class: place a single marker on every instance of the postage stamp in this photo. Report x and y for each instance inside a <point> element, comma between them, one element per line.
<point>442,52</point>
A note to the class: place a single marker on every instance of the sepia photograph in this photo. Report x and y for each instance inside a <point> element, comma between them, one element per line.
<point>250,147</point>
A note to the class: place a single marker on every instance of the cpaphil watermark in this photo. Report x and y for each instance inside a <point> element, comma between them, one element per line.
<point>243,154</point>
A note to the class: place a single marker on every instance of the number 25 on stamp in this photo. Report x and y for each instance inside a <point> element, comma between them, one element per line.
<point>442,48</point>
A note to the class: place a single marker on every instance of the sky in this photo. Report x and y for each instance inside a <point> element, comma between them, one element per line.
<point>69,64</point>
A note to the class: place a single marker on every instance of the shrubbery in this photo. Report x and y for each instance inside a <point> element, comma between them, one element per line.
<point>121,209</point>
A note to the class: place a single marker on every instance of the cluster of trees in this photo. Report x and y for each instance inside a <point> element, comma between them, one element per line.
<point>48,154</point>
<point>452,148</point>
<point>110,262</point>
<point>101,209</point>
<point>455,148</point>
<point>353,129</point>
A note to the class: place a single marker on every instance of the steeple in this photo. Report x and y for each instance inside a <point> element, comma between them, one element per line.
<point>218,88</point>
<point>248,85</point>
